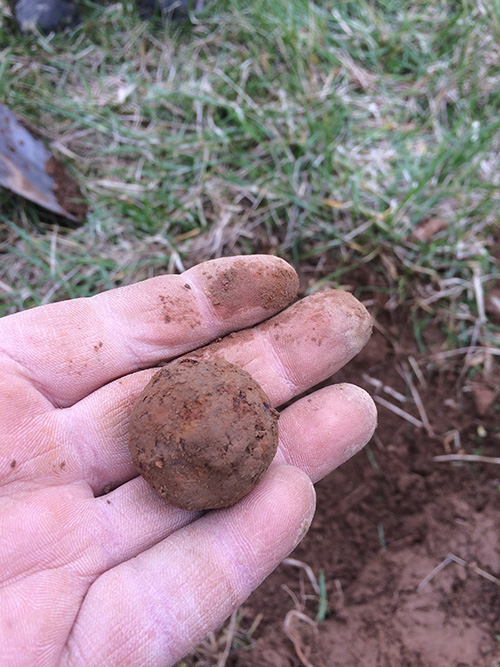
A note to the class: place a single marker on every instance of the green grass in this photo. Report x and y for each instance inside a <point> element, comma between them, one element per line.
<point>327,132</point>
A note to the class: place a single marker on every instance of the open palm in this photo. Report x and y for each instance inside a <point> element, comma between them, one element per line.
<point>94,568</point>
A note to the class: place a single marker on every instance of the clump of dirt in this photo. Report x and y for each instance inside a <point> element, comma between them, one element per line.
<point>202,433</point>
<point>66,190</point>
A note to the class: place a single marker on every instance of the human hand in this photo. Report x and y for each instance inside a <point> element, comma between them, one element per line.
<point>94,577</point>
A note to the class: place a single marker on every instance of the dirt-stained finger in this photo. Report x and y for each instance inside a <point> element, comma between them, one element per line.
<point>301,346</point>
<point>68,350</point>
<point>321,431</point>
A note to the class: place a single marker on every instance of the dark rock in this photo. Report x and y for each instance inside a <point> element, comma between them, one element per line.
<point>53,15</point>
<point>46,15</point>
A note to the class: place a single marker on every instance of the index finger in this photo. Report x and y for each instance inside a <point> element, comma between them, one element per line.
<point>70,349</point>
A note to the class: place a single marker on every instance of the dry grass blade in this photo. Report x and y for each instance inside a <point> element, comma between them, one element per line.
<point>433,573</point>
<point>231,630</point>
<point>292,633</point>
<point>379,385</point>
<point>451,558</point>
<point>467,458</point>
<point>6,288</point>
<point>405,373</point>
<point>479,292</point>
<point>307,569</point>
<point>401,413</point>
<point>418,373</point>
<point>465,350</point>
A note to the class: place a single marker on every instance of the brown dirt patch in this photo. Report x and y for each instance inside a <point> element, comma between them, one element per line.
<point>247,284</point>
<point>66,190</point>
<point>385,521</point>
<point>409,547</point>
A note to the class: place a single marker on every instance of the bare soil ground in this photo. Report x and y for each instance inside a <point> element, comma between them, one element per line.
<point>409,546</point>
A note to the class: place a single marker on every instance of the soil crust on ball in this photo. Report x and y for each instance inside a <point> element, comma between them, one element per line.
<point>202,433</point>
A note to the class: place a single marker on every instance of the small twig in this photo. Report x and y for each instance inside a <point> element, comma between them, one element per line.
<point>470,458</point>
<point>398,411</point>
<point>353,498</point>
